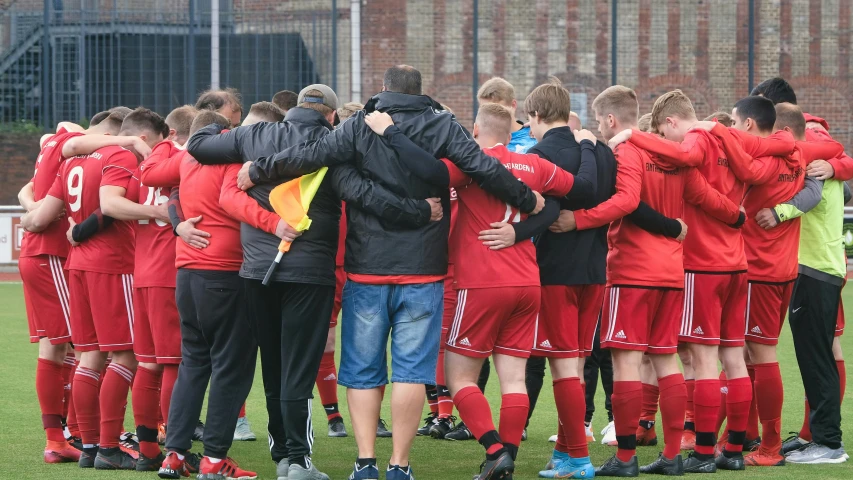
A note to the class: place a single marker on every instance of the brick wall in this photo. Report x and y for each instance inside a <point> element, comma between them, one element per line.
<point>18,154</point>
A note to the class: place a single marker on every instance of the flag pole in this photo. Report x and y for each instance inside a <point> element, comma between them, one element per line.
<point>272,268</point>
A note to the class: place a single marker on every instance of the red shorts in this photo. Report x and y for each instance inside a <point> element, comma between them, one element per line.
<point>567,320</point>
<point>46,297</point>
<point>157,326</point>
<point>500,320</point>
<point>450,299</point>
<point>101,311</point>
<point>714,306</point>
<point>644,319</point>
<point>340,280</point>
<point>766,308</point>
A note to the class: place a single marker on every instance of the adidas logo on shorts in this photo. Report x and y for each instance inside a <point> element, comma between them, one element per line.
<point>331,376</point>
<point>698,331</point>
<point>545,344</point>
<point>755,329</point>
<point>620,334</point>
<point>465,342</point>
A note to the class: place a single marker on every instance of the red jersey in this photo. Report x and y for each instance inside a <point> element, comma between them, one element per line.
<point>342,237</point>
<point>637,257</point>
<point>771,254</point>
<point>78,185</point>
<point>155,241</point>
<point>476,265</point>
<point>52,240</point>
<point>841,163</point>
<point>711,246</point>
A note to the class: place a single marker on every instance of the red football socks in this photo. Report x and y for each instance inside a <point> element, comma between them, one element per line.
<point>113,403</point>
<point>432,398</point>
<point>50,389</point>
<point>738,399</point>
<point>68,367</point>
<point>474,410</point>
<point>445,403</point>
<point>721,413</point>
<point>86,404</point>
<point>242,411</point>
<point>514,408</point>
<point>167,384</point>
<point>327,385</point>
<point>706,403</point>
<point>690,384</point>
<point>145,395</point>
<point>752,422</point>
<point>673,403</point>
<point>571,408</point>
<point>651,393</point>
<point>769,395</point>
<point>627,405</point>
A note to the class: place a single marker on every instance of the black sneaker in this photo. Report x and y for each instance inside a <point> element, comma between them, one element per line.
<point>752,445</point>
<point>198,433</point>
<point>87,457</point>
<point>76,442</point>
<point>697,463</point>
<point>145,464</point>
<point>461,432</point>
<point>128,442</point>
<point>441,427</point>
<point>429,421</point>
<point>114,459</point>
<point>193,461</point>
<point>337,429</point>
<point>730,461</point>
<point>500,468</point>
<point>617,468</point>
<point>793,444</point>
<point>382,430</point>
<point>524,435</point>
<point>665,466</point>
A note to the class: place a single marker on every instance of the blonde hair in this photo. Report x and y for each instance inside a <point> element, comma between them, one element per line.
<point>348,110</point>
<point>722,117</point>
<point>791,116</point>
<point>550,103</point>
<point>645,123</point>
<point>672,104</point>
<point>181,119</point>
<point>619,101</point>
<point>497,90</point>
<point>267,112</point>
<point>208,117</point>
<point>495,120</point>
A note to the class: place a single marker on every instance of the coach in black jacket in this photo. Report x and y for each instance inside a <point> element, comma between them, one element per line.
<point>395,276</point>
<point>292,311</point>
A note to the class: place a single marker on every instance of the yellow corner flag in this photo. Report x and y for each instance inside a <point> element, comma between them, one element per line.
<point>291,201</point>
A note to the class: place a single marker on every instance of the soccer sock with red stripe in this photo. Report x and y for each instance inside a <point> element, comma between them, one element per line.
<point>86,404</point>
<point>145,395</point>
<point>738,399</point>
<point>475,412</point>
<point>68,367</point>
<point>706,402</point>
<point>673,402</point>
<point>50,389</point>
<point>721,413</point>
<point>432,398</point>
<point>752,422</point>
<point>513,417</point>
<point>113,402</point>
<point>242,411</point>
<point>651,394</point>
<point>445,403</point>
<point>690,384</point>
<point>167,384</point>
<point>627,405</point>
<point>769,395</point>
<point>571,407</point>
<point>327,385</point>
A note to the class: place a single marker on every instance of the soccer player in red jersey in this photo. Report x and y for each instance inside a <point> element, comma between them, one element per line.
<point>771,255</point>
<point>642,306</point>
<point>496,311</point>
<point>98,175</point>
<point>715,266</point>
<point>46,293</point>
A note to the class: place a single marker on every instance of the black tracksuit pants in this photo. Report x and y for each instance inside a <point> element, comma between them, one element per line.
<point>292,323</point>
<point>813,311</point>
<point>599,361</point>
<point>217,347</point>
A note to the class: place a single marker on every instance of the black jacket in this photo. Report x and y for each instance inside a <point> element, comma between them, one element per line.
<point>311,258</point>
<point>373,248</point>
<point>577,257</point>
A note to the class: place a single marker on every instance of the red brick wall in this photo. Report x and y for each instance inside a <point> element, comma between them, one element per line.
<point>18,154</point>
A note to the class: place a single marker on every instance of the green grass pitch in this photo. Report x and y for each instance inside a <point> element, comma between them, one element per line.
<point>22,439</point>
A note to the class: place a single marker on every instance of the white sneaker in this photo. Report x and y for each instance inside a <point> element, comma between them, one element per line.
<point>243,431</point>
<point>817,454</point>
<point>609,435</point>
<point>590,438</point>
<point>552,439</point>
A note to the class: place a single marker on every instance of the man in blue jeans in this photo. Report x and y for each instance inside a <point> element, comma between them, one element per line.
<point>395,276</point>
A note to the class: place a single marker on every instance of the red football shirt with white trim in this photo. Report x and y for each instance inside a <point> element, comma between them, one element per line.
<point>52,240</point>
<point>476,266</point>
<point>78,185</point>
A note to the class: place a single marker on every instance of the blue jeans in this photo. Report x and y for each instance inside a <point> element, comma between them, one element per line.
<point>410,313</point>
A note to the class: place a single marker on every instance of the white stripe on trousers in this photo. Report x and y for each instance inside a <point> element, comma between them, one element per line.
<point>61,288</point>
<point>461,298</point>
<point>309,430</point>
<point>748,301</point>
<point>127,283</point>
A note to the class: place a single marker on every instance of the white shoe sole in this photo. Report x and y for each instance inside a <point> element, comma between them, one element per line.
<point>552,439</point>
<point>820,461</point>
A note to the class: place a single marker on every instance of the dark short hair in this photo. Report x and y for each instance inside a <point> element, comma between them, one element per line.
<point>285,100</point>
<point>403,79</point>
<point>120,112</point>
<point>267,112</point>
<point>777,89</point>
<point>216,99</point>
<point>208,117</point>
<point>760,109</point>
<point>98,118</point>
<point>143,119</point>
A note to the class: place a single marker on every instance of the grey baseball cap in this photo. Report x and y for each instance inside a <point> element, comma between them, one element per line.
<point>328,97</point>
